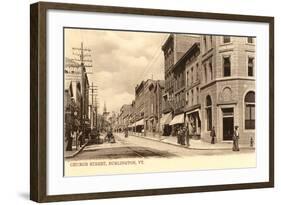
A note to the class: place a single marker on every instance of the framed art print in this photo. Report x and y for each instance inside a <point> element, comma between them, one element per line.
<point>134,102</point>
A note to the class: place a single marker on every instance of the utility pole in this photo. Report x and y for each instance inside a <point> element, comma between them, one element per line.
<point>84,55</point>
<point>94,94</point>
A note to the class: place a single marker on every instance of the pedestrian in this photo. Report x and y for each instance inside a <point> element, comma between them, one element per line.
<point>182,136</point>
<point>236,139</point>
<point>178,132</point>
<point>126,132</point>
<point>80,137</point>
<point>213,135</point>
<point>69,141</point>
<point>187,136</point>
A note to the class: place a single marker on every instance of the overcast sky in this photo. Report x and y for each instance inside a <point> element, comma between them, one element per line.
<point>121,60</point>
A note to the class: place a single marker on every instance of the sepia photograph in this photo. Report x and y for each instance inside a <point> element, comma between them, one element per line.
<point>140,102</point>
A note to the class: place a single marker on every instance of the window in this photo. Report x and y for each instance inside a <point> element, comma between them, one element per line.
<point>192,97</point>
<point>182,79</point>
<point>187,78</point>
<point>187,98</point>
<point>211,70</point>
<point>226,67</point>
<point>197,92</point>
<point>250,66</point>
<point>250,110</point>
<point>209,112</point>
<point>191,75</point>
<point>205,42</point>
<point>205,72</point>
<point>250,40</point>
<point>226,39</point>
<point>197,71</point>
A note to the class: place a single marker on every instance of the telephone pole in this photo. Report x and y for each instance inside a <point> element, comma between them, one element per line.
<point>94,94</point>
<point>83,57</point>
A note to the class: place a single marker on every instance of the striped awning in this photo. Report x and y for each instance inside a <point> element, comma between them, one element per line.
<point>178,119</point>
<point>140,122</point>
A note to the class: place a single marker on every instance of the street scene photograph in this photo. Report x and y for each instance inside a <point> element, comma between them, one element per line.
<point>142,102</point>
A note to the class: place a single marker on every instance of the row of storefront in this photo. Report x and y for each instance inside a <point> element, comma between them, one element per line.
<point>192,119</point>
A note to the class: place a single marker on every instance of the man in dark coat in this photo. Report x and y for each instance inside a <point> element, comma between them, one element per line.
<point>236,139</point>
<point>213,135</point>
<point>182,136</point>
<point>187,136</point>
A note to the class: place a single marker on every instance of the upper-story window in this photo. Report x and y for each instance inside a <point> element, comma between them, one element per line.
<point>191,75</point>
<point>182,79</point>
<point>205,42</point>
<point>187,78</point>
<point>197,93</point>
<point>250,66</point>
<point>211,70</point>
<point>226,39</point>
<point>192,95</point>
<point>187,98</point>
<point>226,67</point>
<point>205,73</point>
<point>250,40</point>
<point>197,71</point>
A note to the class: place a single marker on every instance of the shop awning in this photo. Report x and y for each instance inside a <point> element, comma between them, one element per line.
<point>166,119</point>
<point>178,119</point>
<point>193,111</point>
<point>140,122</point>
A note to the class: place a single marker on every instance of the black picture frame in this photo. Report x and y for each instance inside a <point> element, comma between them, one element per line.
<point>38,102</point>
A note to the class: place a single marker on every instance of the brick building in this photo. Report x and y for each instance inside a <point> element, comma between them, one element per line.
<point>153,109</point>
<point>176,55</point>
<point>147,107</point>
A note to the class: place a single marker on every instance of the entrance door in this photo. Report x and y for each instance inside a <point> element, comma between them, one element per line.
<point>228,124</point>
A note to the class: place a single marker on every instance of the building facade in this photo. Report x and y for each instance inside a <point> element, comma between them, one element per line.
<point>211,84</point>
<point>227,89</point>
<point>76,86</point>
<point>153,109</point>
<point>176,54</point>
<point>146,109</point>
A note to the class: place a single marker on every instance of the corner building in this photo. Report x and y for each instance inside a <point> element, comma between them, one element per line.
<point>227,87</point>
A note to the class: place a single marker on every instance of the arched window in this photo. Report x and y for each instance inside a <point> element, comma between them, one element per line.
<point>209,112</point>
<point>250,110</point>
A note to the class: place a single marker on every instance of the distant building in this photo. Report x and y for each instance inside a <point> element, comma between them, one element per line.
<point>124,117</point>
<point>153,109</point>
<point>147,107</point>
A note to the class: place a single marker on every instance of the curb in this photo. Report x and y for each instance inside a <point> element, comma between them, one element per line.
<point>193,148</point>
<point>77,152</point>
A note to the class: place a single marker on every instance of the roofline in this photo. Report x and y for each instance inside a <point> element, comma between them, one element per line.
<point>195,45</point>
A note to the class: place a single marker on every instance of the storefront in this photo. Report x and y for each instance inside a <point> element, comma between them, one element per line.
<point>140,126</point>
<point>176,123</point>
<point>193,120</point>
<point>166,129</point>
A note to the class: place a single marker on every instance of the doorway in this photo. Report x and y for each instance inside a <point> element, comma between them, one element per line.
<point>228,123</point>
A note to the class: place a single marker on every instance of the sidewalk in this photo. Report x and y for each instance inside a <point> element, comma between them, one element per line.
<point>74,152</point>
<point>196,144</point>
